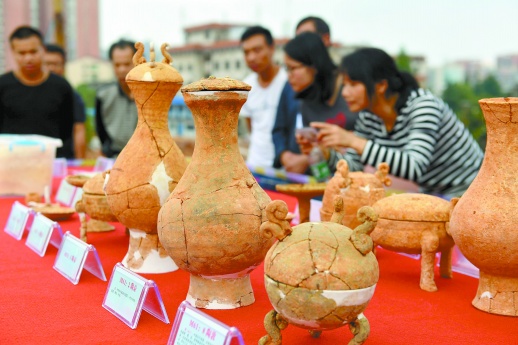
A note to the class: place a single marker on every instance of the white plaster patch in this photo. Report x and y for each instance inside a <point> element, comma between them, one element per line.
<point>350,297</point>
<point>212,304</point>
<point>136,255</point>
<point>153,264</point>
<point>486,294</point>
<point>147,77</point>
<point>160,180</point>
<point>106,178</point>
<point>366,188</point>
<point>361,316</point>
<point>137,234</point>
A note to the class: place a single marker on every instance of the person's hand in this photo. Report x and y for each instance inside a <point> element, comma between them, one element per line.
<point>305,145</point>
<point>293,162</point>
<point>330,135</point>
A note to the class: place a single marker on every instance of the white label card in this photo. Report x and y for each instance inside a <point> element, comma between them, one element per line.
<point>43,231</point>
<point>74,255</point>
<point>65,194</point>
<point>128,293</point>
<point>192,326</point>
<point>17,221</point>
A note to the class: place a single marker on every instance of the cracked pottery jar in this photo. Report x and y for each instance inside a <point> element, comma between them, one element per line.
<point>319,276</point>
<point>150,165</point>
<point>210,224</point>
<point>416,223</point>
<point>356,188</point>
<point>484,222</point>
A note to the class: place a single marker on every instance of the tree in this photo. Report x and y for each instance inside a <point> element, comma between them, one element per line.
<point>403,61</point>
<point>489,87</point>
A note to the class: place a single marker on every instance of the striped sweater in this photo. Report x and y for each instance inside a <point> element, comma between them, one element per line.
<point>428,145</point>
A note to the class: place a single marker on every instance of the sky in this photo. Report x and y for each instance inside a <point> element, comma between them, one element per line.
<point>441,30</point>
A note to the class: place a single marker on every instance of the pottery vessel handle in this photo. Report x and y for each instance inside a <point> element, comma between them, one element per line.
<point>276,225</point>
<point>338,214</point>
<point>360,237</point>
<point>167,57</point>
<point>138,58</point>
<point>382,174</point>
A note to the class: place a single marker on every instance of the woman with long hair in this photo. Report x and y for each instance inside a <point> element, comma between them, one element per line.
<point>412,130</point>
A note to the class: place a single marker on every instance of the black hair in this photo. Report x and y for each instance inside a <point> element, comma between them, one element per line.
<point>25,31</point>
<point>54,48</point>
<point>121,44</point>
<point>320,25</point>
<point>309,49</point>
<point>257,30</point>
<point>371,65</point>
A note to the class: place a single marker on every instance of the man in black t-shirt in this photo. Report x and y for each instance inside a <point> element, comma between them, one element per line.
<point>32,100</point>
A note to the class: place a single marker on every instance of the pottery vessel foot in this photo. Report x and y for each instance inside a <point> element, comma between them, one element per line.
<point>227,293</point>
<point>146,254</point>
<point>497,295</point>
<point>94,225</point>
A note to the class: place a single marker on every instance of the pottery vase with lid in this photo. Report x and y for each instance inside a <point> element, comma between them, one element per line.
<point>484,222</point>
<point>319,275</point>
<point>210,224</point>
<point>149,167</point>
<point>357,189</point>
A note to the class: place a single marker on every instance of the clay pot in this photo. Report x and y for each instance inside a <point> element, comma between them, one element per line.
<point>416,224</point>
<point>319,276</point>
<point>357,189</point>
<point>94,202</point>
<point>210,223</point>
<point>484,221</point>
<point>150,165</point>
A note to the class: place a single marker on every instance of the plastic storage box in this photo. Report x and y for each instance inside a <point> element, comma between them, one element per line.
<point>26,163</point>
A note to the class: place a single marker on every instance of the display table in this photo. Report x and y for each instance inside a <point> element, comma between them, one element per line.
<point>39,306</point>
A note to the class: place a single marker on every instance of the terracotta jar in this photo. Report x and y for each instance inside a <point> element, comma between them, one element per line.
<point>415,223</point>
<point>319,276</point>
<point>150,165</point>
<point>484,223</point>
<point>210,223</point>
<point>357,188</point>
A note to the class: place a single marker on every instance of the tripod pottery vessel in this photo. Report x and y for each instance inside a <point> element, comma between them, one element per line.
<point>484,222</point>
<point>356,188</point>
<point>210,224</point>
<point>150,165</point>
<point>319,276</point>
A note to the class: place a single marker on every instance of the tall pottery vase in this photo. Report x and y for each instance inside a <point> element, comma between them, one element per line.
<point>210,224</point>
<point>484,223</point>
<point>150,165</point>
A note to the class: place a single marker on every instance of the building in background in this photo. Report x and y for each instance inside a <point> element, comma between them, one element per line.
<point>462,71</point>
<point>507,72</point>
<point>214,49</point>
<point>73,24</point>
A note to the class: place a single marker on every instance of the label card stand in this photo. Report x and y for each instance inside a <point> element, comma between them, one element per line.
<point>73,257</point>
<point>17,221</point>
<point>192,326</point>
<point>128,293</point>
<point>43,231</point>
<point>66,193</point>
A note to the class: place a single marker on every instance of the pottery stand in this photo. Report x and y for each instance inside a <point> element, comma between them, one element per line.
<point>150,165</point>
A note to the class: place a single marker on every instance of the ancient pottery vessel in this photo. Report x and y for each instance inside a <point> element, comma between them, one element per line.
<point>416,224</point>
<point>304,193</point>
<point>484,221</point>
<point>210,223</point>
<point>356,188</point>
<point>150,165</point>
<point>94,203</point>
<point>319,276</point>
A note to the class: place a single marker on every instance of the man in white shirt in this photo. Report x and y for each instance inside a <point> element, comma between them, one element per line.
<point>267,82</point>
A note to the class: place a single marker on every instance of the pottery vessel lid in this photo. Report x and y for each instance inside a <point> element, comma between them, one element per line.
<point>217,84</point>
<point>413,207</point>
<point>94,185</point>
<point>153,71</point>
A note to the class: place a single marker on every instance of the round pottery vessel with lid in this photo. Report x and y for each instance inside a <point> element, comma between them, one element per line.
<point>319,276</point>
